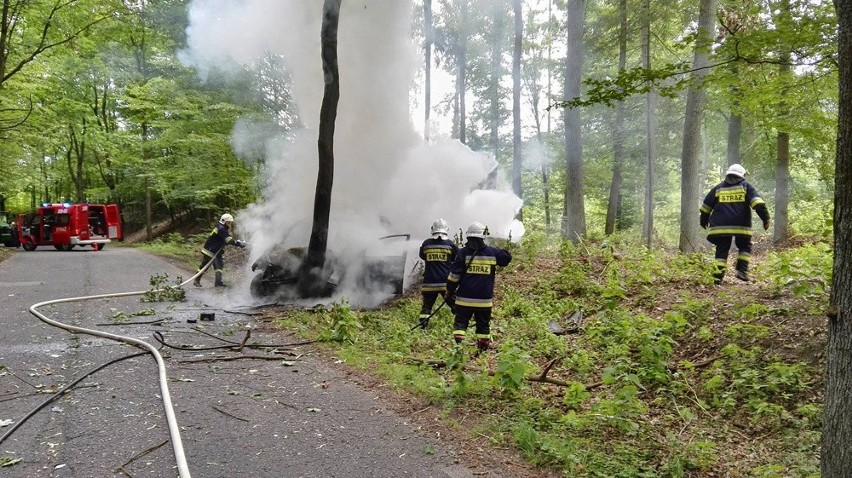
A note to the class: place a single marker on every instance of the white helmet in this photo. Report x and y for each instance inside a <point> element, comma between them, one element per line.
<point>440,226</point>
<point>226,218</point>
<point>736,170</point>
<point>477,229</point>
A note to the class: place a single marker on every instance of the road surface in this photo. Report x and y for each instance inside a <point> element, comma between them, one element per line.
<point>293,416</point>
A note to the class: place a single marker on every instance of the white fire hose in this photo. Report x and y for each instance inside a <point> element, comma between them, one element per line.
<point>174,430</point>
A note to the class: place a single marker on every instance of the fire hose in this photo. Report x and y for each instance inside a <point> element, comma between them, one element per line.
<point>171,420</point>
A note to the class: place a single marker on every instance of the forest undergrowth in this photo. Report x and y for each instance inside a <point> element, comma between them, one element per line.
<point>611,360</point>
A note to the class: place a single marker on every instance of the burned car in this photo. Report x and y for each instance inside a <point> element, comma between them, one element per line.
<point>279,270</point>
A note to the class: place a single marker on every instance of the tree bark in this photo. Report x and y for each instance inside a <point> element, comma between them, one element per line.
<point>461,77</point>
<point>650,131</point>
<point>311,278</point>
<point>690,189</point>
<point>494,84</point>
<point>735,134</point>
<point>836,455</point>
<point>427,56</point>
<point>574,212</point>
<point>614,205</point>
<point>782,163</point>
<point>517,156</point>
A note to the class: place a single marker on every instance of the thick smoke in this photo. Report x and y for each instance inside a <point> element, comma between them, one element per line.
<point>387,179</point>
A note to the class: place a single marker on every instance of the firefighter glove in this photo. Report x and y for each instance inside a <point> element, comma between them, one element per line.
<point>766,225</point>
<point>703,221</point>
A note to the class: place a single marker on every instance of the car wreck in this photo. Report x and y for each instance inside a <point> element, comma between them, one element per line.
<point>279,271</point>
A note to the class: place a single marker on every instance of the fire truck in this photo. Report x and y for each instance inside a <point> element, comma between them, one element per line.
<point>67,225</point>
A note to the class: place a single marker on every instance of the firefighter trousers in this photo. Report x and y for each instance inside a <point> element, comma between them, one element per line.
<point>723,247</point>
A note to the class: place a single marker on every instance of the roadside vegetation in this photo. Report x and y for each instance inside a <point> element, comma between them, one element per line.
<point>666,375</point>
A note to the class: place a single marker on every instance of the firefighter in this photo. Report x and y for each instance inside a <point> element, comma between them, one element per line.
<point>470,285</point>
<point>214,247</point>
<point>438,253</point>
<point>726,214</point>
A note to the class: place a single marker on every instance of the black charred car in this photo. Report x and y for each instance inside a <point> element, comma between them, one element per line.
<point>279,270</point>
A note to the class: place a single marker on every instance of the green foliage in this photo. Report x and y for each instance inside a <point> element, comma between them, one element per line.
<point>805,270</point>
<point>162,291</point>
<point>512,367</point>
<point>344,323</point>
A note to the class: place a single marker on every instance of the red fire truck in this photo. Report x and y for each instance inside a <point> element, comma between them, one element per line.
<point>66,225</point>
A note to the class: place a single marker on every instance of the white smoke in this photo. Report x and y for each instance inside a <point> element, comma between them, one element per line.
<point>387,180</point>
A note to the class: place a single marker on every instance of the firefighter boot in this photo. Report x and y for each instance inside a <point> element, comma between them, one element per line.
<point>197,282</point>
<point>219,282</point>
<point>742,271</point>
<point>483,344</point>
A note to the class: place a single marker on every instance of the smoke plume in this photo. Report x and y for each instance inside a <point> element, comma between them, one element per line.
<point>387,179</point>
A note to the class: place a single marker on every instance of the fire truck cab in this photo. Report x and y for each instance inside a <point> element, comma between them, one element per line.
<point>66,225</point>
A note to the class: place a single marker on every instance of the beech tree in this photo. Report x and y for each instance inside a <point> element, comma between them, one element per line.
<point>836,455</point>
<point>690,190</point>
<point>574,215</point>
<point>315,258</point>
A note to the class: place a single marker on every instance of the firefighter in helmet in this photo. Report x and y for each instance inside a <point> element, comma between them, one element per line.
<point>726,214</point>
<point>470,285</point>
<point>214,247</point>
<point>438,253</point>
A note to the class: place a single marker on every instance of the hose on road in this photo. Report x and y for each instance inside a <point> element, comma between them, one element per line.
<point>171,420</point>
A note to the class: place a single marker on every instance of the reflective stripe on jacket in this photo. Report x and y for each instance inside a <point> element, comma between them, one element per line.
<point>472,275</point>
<point>438,254</point>
<point>218,238</point>
<point>727,208</point>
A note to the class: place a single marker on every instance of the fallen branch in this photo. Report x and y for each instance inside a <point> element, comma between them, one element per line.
<point>148,322</point>
<point>228,359</point>
<point>138,456</point>
<point>228,414</point>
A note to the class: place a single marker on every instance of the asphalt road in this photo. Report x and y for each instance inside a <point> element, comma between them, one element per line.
<point>296,415</point>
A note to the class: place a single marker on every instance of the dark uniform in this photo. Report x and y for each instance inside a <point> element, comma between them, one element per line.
<point>726,214</point>
<point>438,254</point>
<point>471,286</point>
<point>212,250</point>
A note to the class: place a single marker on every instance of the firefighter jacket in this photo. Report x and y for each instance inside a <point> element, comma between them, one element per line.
<point>218,239</point>
<point>727,208</point>
<point>438,254</point>
<point>472,275</point>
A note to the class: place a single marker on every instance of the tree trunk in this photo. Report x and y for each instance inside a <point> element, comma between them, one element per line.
<point>517,157</point>
<point>149,220</point>
<point>427,75</point>
<point>311,278</point>
<point>650,131</point>
<point>612,218</point>
<point>836,455</point>
<point>494,85</point>
<point>690,189</point>
<point>735,133</point>
<point>574,217</point>
<point>782,164</point>
<point>461,77</point>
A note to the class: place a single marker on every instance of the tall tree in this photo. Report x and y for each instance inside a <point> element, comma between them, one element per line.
<point>428,39</point>
<point>836,455</point>
<point>650,130</point>
<point>690,189</point>
<point>782,153</point>
<point>618,129</point>
<point>574,211</point>
<point>315,258</point>
<point>517,158</point>
<point>497,14</point>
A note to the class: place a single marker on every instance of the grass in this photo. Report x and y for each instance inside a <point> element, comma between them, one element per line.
<point>669,376</point>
